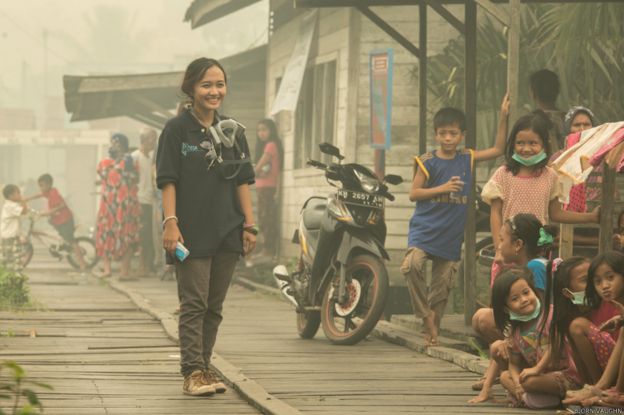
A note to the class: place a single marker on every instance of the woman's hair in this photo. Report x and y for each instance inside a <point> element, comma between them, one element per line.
<point>540,124</point>
<point>195,72</point>
<point>273,138</point>
<point>122,139</point>
<point>615,260</point>
<point>571,115</point>
<point>526,227</point>
<point>563,309</point>
<point>500,293</point>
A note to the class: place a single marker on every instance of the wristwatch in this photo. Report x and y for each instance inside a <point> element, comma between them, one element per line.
<point>253,229</point>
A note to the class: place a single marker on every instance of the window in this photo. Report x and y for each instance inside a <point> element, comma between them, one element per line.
<point>314,122</point>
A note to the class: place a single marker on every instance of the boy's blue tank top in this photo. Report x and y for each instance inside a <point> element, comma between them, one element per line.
<point>437,225</point>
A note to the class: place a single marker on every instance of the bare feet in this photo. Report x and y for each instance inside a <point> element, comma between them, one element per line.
<point>482,397</point>
<point>576,397</point>
<point>431,331</point>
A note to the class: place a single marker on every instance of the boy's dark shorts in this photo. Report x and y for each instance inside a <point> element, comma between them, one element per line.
<point>66,230</point>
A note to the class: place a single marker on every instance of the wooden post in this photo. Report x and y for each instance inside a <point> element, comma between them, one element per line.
<point>513,56</point>
<point>380,163</point>
<point>470,264</point>
<point>422,79</point>
<point>607,208</point>
<point>566,240</point>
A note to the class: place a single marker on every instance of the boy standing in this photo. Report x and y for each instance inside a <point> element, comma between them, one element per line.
<point>441,184</point>
<point>14,207</point>
<point>61,217</point>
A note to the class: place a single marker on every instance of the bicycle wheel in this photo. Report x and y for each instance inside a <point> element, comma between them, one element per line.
<point>87,249</point>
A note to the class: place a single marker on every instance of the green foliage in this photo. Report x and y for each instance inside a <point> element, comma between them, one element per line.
<point>15,388</point>
<point>580,42</point>
<point>14,291</point>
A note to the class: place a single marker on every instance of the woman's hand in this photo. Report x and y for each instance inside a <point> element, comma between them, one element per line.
<point>527,373</point>
<point>249,242</point>
<point>171,236</point>
<point>500,349</point>
<point>611,324</point>
<point>504,110</point>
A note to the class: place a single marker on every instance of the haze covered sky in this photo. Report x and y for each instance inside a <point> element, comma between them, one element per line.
<point>109,37</point>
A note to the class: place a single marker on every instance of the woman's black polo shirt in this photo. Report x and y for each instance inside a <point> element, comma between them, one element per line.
<point>207,206</point>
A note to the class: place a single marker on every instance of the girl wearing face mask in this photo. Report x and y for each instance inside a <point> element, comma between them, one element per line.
<point>119,214</point>
<point>534,379</point>
<point>524,242</point>
<point>605,283</point>
<point>574,323</point>
<point>525,184</point>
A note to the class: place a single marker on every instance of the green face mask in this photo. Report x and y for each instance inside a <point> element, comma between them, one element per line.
<point>529,161</point>
<point>578,298</point>
<point>524,318</point>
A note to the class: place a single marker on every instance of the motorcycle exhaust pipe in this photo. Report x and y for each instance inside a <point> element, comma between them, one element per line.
<point>282,278</point>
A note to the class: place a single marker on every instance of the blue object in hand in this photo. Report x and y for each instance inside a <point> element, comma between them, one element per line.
<point>181,252</point>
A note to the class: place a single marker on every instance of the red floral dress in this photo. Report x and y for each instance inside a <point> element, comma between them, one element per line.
<point>119,215</point>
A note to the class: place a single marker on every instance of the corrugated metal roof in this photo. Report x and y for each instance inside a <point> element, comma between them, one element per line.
<point>201,12</point>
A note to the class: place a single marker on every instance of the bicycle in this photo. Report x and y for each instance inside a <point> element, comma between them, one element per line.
<point>57,247</point>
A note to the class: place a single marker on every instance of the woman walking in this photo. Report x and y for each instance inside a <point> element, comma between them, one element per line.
<point>204,171</point>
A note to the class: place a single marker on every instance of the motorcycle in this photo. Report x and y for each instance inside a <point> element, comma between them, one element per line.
<point>341,281</point>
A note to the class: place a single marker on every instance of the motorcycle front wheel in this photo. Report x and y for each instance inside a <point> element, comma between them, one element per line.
<point>351,321</point>
<point>308,323</point>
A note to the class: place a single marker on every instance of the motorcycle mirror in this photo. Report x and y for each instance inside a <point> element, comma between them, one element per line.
<point>281,272</point>
<point>331,150</point>
<point>393,179</point>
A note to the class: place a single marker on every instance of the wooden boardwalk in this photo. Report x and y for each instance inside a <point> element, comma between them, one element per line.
<point>99,352</point>
<point>374,377</point>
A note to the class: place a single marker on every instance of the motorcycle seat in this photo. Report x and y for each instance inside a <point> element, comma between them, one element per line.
<point>313,212</point>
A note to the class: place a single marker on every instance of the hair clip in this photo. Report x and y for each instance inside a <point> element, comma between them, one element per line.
<point>555,264</point>
<point>545,238</point>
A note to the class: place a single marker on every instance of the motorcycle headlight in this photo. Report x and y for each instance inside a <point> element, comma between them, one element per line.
<point>338,210</point>
<point>369,184</point>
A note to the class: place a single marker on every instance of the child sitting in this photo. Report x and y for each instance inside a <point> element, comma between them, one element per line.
<point>523,241</point>
<point>534,379</point>
<point>575,323</point>
<point>606,283</point>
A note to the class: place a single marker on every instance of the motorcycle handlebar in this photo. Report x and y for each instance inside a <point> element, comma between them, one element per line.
<point>316,164</point>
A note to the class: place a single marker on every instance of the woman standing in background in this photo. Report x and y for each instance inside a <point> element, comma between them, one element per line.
<point>269,158</point>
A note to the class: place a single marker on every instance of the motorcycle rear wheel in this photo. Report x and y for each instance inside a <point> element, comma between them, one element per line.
<point>308,323</point>
<point>371,295</point>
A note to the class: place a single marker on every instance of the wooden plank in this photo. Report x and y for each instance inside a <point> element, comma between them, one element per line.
<point>99,362</point>
<point>566,240</point>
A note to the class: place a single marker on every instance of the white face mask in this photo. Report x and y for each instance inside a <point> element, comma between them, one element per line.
<point>528,317</point>
<point>578,298</point>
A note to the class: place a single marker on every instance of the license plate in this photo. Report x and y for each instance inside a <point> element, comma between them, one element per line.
<point>360,198</point>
